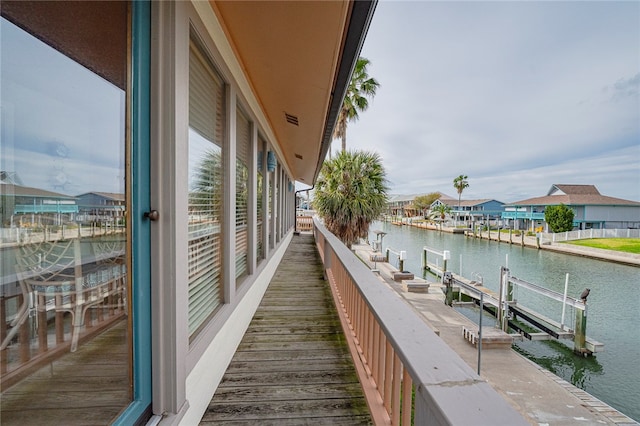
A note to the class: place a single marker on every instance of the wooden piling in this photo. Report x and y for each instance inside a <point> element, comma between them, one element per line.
<point>580,334</point>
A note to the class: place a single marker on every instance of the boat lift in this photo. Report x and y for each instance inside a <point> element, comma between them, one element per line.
<point>507,308</point>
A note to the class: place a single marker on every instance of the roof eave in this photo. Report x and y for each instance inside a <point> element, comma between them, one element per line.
<point>359,21</point>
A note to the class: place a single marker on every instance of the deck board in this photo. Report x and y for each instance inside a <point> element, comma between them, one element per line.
<point>293,365</point>
<point>81,388</point>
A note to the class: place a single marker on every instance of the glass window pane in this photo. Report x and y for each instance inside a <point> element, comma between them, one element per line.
<point>64,285</point>
<point>259,204</point>
<point>206,124</point>
<point>243,139</point>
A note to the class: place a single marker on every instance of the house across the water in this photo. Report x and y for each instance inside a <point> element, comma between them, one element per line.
<point>101,207</point>
<point>472,210</point>
<point>592,210</point>
<point>22,206</point>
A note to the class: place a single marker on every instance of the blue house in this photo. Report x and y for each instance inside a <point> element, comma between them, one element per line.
<point>591,209</point>
<point>472,210</point>
<point>101,207</point>
<point>25,206</point>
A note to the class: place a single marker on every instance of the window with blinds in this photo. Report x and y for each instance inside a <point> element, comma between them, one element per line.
<point>206,135</point>
<point>259,208</point>
<point>243,140</point>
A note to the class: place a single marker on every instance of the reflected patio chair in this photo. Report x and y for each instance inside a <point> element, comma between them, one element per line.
<point>109,257</point>
<point>51,274</point>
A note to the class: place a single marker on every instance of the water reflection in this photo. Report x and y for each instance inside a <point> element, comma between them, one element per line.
<point>560,360</point>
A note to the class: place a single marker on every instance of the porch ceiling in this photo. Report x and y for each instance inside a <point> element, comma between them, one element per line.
<point>297,55</point>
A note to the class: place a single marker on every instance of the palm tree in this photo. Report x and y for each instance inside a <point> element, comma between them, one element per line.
<point>440,212</point>
<point>351,192</point>
<point>423,202</point>
<point>205,195</point>
<point>460,183</point>
<point>355,100</point>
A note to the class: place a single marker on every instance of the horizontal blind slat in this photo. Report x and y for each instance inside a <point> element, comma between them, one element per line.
<point>206,118</point>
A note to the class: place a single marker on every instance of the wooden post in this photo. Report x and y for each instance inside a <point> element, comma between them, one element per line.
<point>24,337</point>
<point>424,259</point>
<point>580,335</point>
<point>499,310</point>
<point>3,334</point>
<point>42,326</point>
<point>59,322</point>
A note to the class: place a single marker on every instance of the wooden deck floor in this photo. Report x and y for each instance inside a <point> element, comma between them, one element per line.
<point>293,365</point>
<point>86,387</point>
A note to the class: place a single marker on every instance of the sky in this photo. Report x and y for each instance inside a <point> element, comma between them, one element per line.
<point>59,133</point>
<point>518,96</point>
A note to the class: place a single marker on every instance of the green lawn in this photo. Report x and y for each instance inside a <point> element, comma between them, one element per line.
<point>629,245</point>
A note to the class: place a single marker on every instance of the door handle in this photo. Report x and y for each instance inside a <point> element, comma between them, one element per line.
<point>152,215</point>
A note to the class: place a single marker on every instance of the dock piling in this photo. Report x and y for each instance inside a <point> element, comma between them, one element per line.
<point>579,340</point>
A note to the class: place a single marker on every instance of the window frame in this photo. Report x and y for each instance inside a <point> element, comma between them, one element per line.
<point>174,25</point>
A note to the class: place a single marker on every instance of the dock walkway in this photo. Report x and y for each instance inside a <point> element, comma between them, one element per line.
<point>540,396</point>
<point>293,365</point>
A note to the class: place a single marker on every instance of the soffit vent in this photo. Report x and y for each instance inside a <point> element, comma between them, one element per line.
<point>291,119</point>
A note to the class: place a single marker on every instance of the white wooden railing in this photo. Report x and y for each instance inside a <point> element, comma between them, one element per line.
<point>410,376</point>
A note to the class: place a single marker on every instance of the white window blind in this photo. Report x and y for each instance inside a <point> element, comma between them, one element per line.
<point>206,127</point>
<point>243,140</point>
<point>259,195</point>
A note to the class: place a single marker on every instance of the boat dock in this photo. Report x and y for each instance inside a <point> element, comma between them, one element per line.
<point>539,395</point>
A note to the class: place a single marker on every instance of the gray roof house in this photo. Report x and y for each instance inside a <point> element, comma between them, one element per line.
<point>22,200</point>
<point>592,209</point>
<point>477,209</point>
<point>403,204</point>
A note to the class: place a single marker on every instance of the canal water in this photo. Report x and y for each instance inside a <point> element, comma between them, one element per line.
<point>612,376</point>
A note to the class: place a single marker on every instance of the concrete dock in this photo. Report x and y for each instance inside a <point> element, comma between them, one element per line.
<point>540,396</point>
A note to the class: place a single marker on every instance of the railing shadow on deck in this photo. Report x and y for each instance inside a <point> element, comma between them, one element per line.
<point>406,370</point>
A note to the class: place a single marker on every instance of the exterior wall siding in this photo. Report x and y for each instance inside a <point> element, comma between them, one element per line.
<point>188,369</point>
<point>612,213</point>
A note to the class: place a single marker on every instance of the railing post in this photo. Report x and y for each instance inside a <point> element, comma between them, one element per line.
<point>326,255</point>
<point>564,300</point>
<point>446,255</point>
<point>505,298</point>
<point>3,334</point>
<point>24,337</point>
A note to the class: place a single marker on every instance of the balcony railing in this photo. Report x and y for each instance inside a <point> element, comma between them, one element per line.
<point>57,294</point>
<point>410,376</point>
<point>304,223</point>
<point>523,215</point>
